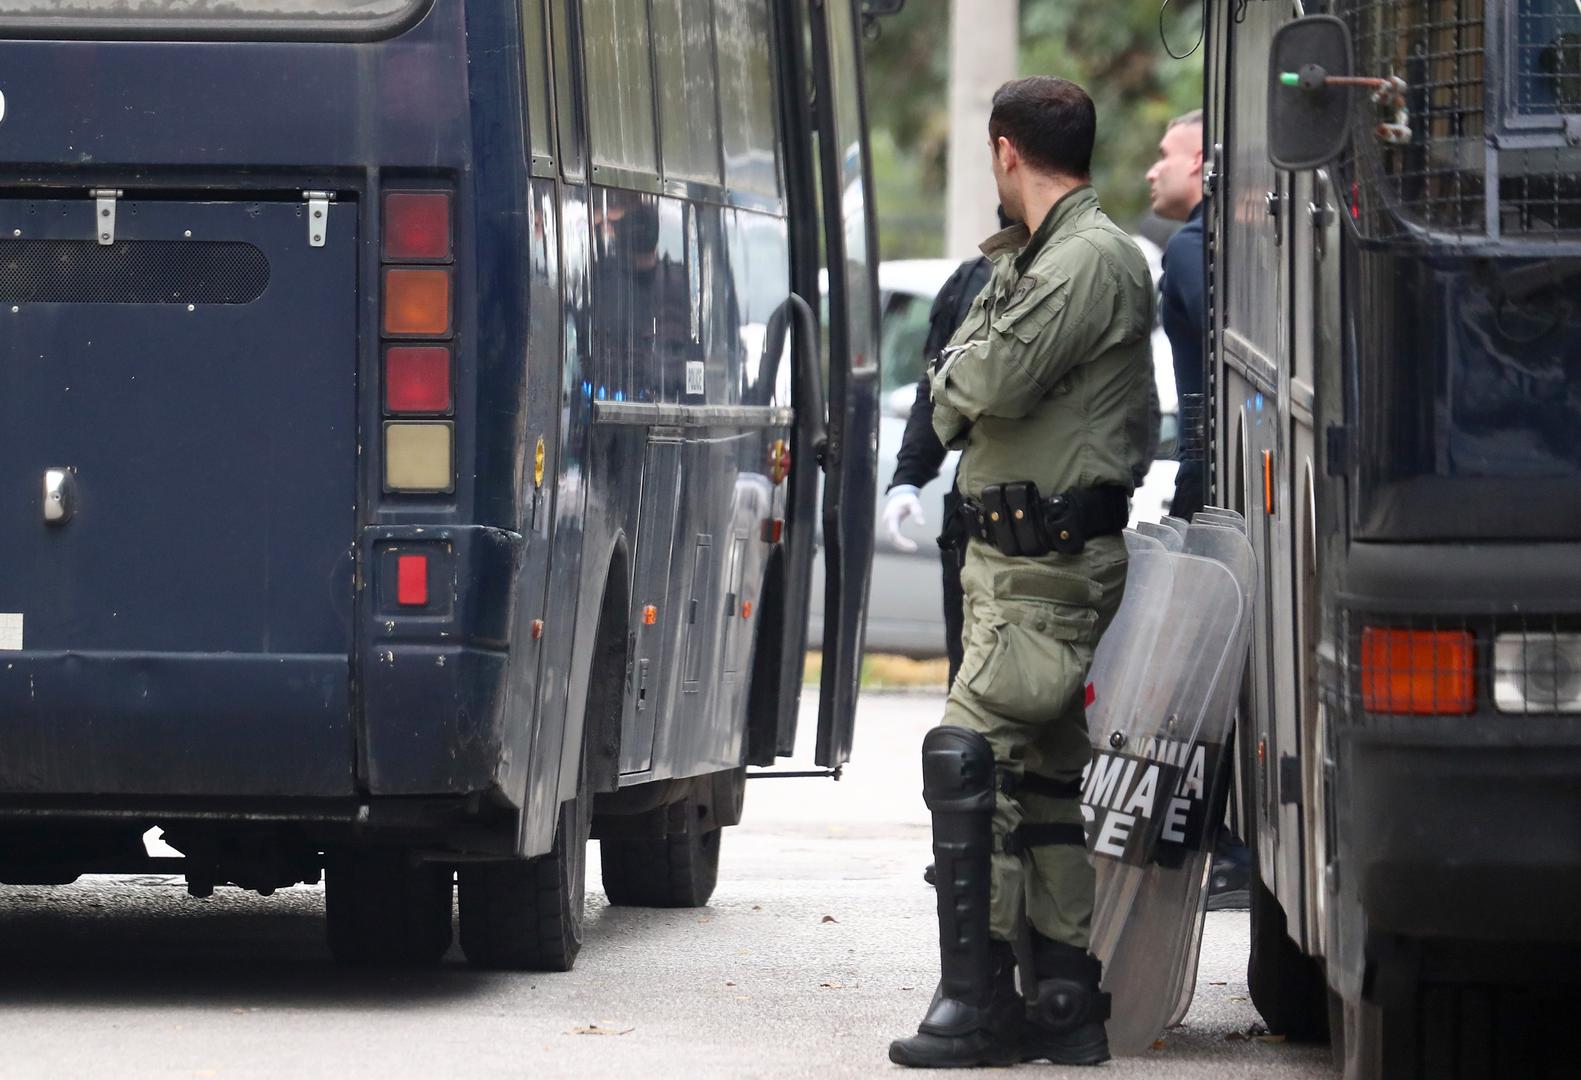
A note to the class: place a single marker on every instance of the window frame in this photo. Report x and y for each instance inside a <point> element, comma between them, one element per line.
<point>187,28</point>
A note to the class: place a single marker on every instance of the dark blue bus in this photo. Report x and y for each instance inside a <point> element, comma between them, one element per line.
<point>411,419</point>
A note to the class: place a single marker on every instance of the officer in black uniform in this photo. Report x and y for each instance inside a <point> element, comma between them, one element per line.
<point>922,454</point>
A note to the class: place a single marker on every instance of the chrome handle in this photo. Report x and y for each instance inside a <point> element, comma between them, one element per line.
<point>60,496</point>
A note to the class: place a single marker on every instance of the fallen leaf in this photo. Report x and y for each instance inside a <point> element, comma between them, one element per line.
<point>832,986</point>
<point>1158,1044</point>
<point>594,1029</point>
<point>757,907</point>
<point>1240,999</point>
<point>1235,1036</point>
<point>908,987</point>
<point>728,983</point>
<point>1269,1038</point>
<point>1218,984</point>
<point>829,918</point>
<point>705,918</point>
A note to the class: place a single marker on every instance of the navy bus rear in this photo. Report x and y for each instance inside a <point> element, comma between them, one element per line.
<point>406,459</point>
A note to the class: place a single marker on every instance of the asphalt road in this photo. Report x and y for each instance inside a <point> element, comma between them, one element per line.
<point>817,949</point>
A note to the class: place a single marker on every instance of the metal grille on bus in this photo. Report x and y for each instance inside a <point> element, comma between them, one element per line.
<point>1438,181</point>
<point>131,272</point>
<point>1524,665</point>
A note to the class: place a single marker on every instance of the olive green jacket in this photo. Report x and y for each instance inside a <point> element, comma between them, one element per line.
<point>1050,378</point>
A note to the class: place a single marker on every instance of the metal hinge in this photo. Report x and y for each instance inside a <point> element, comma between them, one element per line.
<point>104,213</point>
<point>318,216</point>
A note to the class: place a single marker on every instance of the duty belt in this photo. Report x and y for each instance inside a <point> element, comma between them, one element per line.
<point>1016,520</point>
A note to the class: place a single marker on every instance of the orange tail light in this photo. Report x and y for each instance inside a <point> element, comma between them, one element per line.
<point>1418,672</point>
<point>416,302</point>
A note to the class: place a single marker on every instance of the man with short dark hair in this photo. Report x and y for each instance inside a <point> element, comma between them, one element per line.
<point>1046,388</point>
<point>1175,186</point>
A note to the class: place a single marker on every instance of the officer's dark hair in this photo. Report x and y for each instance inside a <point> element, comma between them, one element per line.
<point>1050,121</point>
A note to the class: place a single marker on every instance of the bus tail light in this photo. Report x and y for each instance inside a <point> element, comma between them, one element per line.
<point>419,457</point>
<point>417,226</point>
<point>417,379</point>
<point>1418,672</point>
<point>411,580</point>
<point>417,301</point>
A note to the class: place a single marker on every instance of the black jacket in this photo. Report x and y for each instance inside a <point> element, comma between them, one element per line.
<point>921,453</point>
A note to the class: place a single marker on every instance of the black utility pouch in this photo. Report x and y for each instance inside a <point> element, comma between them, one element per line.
<point>1063,520</point>
<point>1012,517</point>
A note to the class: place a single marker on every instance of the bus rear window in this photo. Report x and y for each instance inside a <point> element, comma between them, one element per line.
<point>238,19</point>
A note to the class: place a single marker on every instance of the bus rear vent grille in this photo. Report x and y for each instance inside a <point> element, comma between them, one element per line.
<point>131,272</point>
<point>1493,146</point>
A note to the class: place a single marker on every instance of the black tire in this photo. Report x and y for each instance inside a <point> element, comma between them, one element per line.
<point>382,908</point>
<point>676,870</point>
<point>526,915</point>
<point>1287,986</point>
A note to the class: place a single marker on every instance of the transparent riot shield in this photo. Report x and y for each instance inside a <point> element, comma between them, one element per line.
<point>1218,515</point>
<point>1172,540</point>
<point>1149,789</point>
<point>1178,524</point>
<point>1227,544</point>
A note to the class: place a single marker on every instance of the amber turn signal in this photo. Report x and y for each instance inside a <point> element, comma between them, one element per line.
<point>1418,672</point>
<point>416,302</point>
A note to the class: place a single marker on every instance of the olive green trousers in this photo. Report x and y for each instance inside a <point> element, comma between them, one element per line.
<point>1030,630</point>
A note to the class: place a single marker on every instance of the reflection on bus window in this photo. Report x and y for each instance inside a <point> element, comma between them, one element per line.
<point>746,96</point>
<point>687,125</point>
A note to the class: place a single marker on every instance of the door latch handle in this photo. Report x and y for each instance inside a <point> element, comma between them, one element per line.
<point>60,495</point>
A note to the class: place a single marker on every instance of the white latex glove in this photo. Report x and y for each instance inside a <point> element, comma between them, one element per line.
<point>903,506</point>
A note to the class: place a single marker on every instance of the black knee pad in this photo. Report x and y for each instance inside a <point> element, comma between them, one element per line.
<point>957,771</point>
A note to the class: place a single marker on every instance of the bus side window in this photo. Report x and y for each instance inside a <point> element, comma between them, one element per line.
<point>619,59</point>
<point>745,34</point>
<point>535,86</point>
<point>567,86</point>
<point>688,108</point>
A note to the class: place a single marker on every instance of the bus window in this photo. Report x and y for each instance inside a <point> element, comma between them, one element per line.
<point>567,87</point>
<point>619,88</point>
<point>688,124</point>
<point>535,83</point>
<point>295,19</point>
<point>746,96</point>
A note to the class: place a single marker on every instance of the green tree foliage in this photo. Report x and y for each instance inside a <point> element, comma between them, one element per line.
<point>1111,48</point>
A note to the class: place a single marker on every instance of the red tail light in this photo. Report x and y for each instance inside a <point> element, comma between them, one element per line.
<point>417,226</point>
<point>417,379</point>
<point>411,580</point>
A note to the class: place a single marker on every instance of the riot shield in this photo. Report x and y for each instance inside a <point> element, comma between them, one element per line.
<point>1217,515</point>
<point>1149,788</point>
<point>1180,525</point>
<point>1227,544</point>
<point>1172,540</point>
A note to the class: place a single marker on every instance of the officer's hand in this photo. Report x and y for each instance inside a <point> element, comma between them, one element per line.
<point>903,505</point>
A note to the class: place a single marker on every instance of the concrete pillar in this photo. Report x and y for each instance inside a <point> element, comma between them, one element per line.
<point>984,35</point>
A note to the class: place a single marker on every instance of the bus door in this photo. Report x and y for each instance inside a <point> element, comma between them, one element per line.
<point>851,459</point>
<point>178,493</point>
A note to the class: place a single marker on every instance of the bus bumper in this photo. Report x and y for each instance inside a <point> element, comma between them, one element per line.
<point>1477,839</point>
<point>433,676</point>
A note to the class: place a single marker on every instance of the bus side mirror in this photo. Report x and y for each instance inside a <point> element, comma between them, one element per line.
<point>1308,117</point>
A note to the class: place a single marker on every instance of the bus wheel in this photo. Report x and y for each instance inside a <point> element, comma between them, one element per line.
<point>382,908</point>
<point>526,915</point>
<point>1287,986</point>
<point>675,870</point>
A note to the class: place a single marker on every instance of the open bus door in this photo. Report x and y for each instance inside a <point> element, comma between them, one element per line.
<point>845,179</point>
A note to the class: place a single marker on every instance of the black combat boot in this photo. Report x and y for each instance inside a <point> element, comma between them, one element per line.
<point>1067,1011</point>
<point>976,1017</point>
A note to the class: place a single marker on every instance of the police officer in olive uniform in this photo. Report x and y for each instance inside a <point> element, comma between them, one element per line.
<point>1047,389</point>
